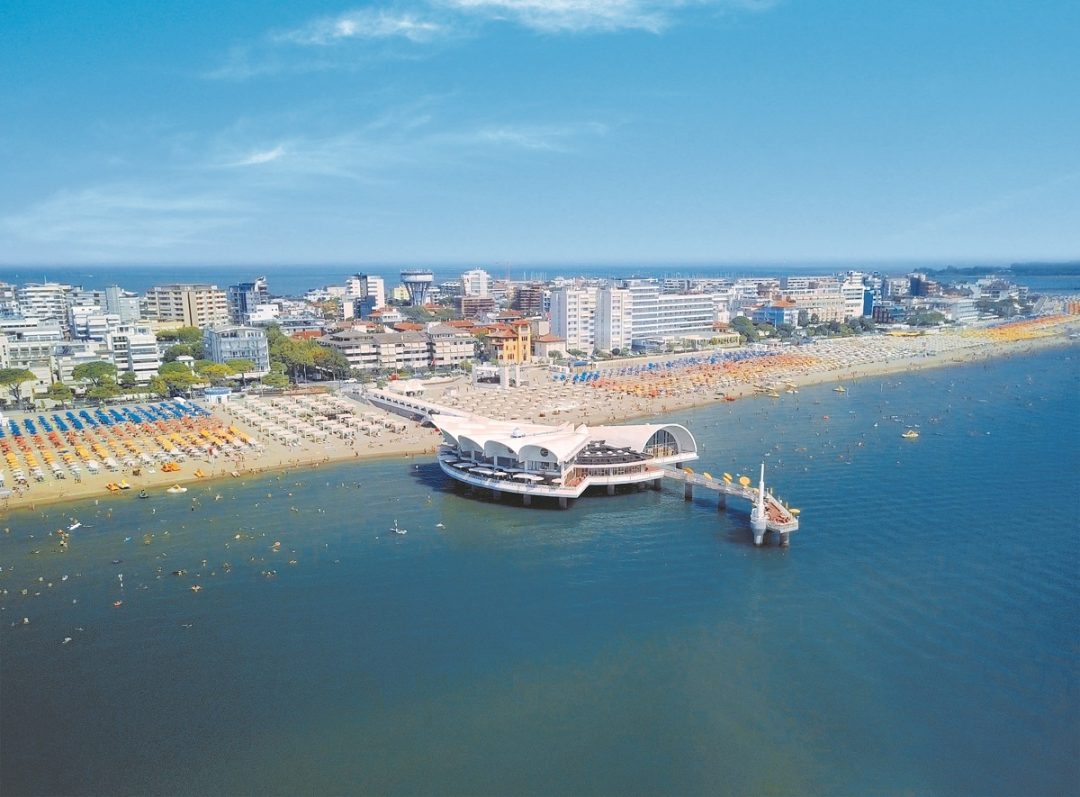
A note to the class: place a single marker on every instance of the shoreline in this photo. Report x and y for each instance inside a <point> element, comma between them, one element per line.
<point>419,441</point>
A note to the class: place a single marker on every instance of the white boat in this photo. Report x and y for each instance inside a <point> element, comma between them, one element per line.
<point>176,489</point>
<point>397,529</point>
<point>75,525</point>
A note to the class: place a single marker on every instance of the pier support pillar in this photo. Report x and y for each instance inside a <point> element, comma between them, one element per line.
<point>758,525</point>
<point>526,500</point>
<point>495,495</point>
<point>563,502</point>
<point>688,492</point>
<point>721,502</point>
<point>656,483</point>
<point>785,539</point>
<point>611,489</point>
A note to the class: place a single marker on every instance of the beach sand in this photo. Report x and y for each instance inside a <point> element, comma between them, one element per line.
<point>542,401</point>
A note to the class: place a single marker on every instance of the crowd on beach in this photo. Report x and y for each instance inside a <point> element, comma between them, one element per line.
<point>253,435</point>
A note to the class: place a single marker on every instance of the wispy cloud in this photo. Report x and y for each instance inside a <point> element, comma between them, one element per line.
<point>574,16</point>
<point>550,138</point>
<point>117,218</point>
<point>260,157</point>
<point>396,32</point>
<point>365,23</point>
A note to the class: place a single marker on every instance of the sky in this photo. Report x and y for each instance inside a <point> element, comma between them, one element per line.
<point>539,131</point>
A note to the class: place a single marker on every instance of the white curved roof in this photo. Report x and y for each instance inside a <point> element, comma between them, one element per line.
<point>636,436</point>
<point>563,442</point>
<point>528,440</point>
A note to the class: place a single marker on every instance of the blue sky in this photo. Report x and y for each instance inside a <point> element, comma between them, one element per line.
<point>539,131</point>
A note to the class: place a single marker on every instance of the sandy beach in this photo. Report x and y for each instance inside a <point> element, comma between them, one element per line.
<point>306,430</point>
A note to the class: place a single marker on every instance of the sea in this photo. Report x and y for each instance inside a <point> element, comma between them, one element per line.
<point>921,635</point>
<point>292,280</point>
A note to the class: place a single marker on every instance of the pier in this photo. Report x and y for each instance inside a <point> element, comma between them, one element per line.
<point>562,462</point>
<point>767,513</point>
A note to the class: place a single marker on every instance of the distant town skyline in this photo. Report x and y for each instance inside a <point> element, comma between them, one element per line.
<point>535,133</point>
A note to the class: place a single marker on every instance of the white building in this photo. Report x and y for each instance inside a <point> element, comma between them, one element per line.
<point>122,303</point>
<point>614,319</point>
<point>449,347</point>
<point>44,300</point>
<point>91,322</point>
<point>134,348</point>
<point>660,316</point>
<point>558,462</point>
<point>476,282</point>
<point>853,292</point>
<point>573,317</point>
<point>264,313</point>
<point>226,342</point>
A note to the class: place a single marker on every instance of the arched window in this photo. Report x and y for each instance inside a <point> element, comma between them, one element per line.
<point>661,444</point>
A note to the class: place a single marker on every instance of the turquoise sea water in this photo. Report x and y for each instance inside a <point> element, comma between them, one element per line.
<point>919,636</point>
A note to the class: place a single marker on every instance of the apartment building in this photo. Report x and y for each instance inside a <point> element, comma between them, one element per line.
<point>134,348</point>
<point>449,347</point>
<point>384,351</point>
<point>658,316</point>
<point>573,316</point>
<point>226,342</point>
<point>44,300</point>
<point>190,305</point>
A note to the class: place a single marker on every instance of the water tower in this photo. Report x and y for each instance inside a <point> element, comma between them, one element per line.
<point>417,282</point>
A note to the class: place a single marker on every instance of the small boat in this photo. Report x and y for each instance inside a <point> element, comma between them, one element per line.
<point>143,494</point>
<point>75,525</point>
<point>176,489</point>
<point>397,529</point>
<point>839,389</point>
<point>730,398</point>
<point>123,485</point>
<point>794,511</point>
<point>910,434</point>
<point>440,526</point>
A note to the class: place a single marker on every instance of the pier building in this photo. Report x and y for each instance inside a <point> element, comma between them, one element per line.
<point>559,462</point>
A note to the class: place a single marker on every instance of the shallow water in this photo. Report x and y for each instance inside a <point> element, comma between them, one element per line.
<point>919,635</point>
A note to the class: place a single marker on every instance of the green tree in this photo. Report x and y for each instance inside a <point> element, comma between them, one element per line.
<point>103,392</point>
<point>745,327</point>
<point>177,379</point>
<point>803,318</point>
<point>276,380</point>
<point>330,361</point>
<point>13,379</point>
<point>187,335</point>
<point>241,367</point>
<point>159,386</point>
<point>178,350</point>
<point>215,372</point>
<point>188,341</point>
<point>60,393</point>
<point>96,373</point>
<point>128,380</point>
